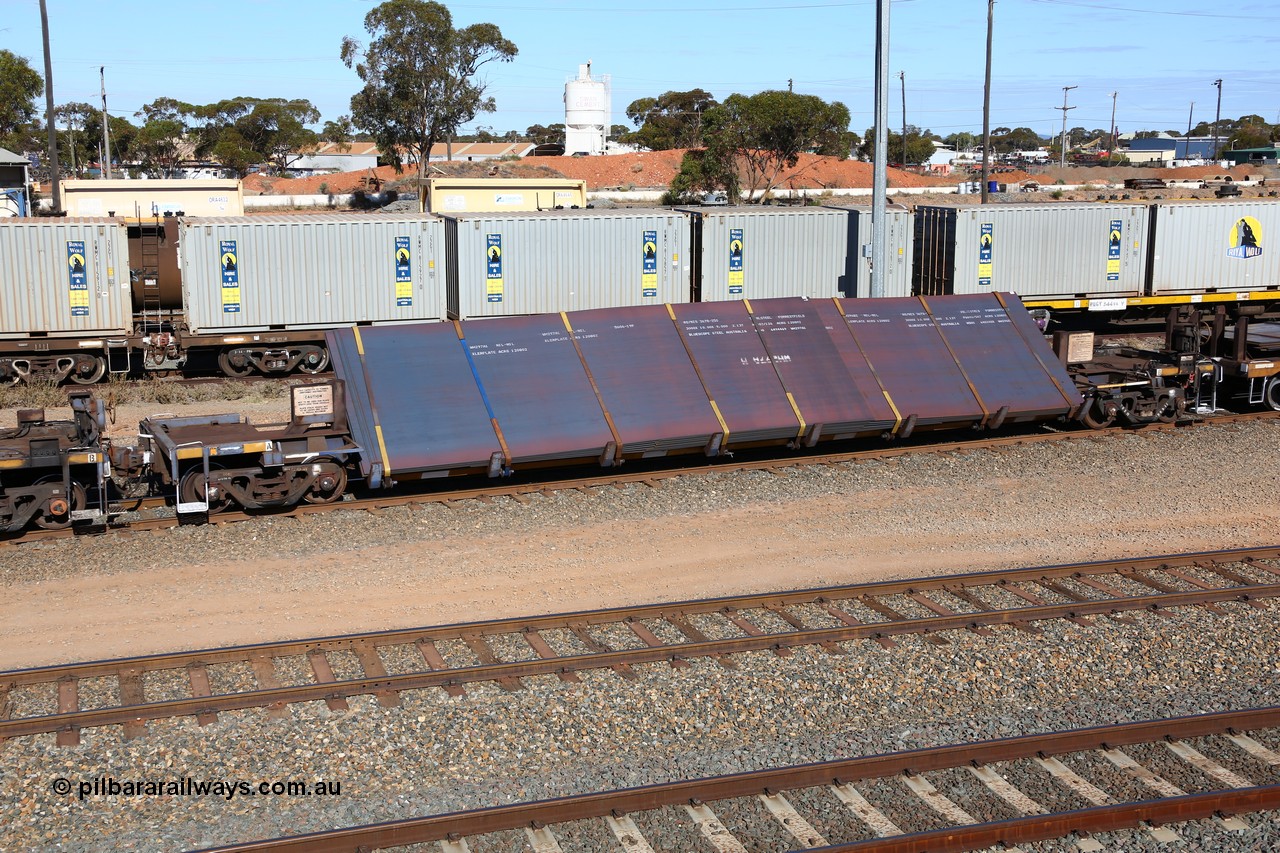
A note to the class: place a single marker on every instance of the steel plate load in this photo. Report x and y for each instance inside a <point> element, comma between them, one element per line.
<point>601,386</point>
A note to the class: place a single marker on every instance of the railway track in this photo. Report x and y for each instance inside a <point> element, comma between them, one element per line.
<point>131,691</point>
<point>1060,790</point>
<point>156,516</point>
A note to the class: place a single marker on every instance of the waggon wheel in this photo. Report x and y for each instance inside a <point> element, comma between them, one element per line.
<point>328,487</point>
<point>55,513</point>
<point>88,369</point>
<point>1271,393</point>
<point>314,361</point>
<point>192,490</point>
<point>230,368</point>
<point>1098,415</point>
<point>1168,411</point>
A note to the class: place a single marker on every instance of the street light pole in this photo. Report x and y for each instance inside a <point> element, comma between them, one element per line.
<point>902,75</point>
<point>1217,116</point>
<point>986,107</point>
<point>55,178</point>
<point>1062,159</point>
<point>880,170</point>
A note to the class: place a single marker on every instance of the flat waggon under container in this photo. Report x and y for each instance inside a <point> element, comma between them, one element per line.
<point>605,385</point>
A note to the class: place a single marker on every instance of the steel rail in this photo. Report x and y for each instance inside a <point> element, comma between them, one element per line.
<point>613,615</point>
<point>587,806</point>
<point>444,677</point>
<point>617,479</point>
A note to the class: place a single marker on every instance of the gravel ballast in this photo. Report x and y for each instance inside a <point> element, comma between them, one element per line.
<point>1192,489</point>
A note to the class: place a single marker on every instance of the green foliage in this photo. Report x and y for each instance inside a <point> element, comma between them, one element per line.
<point>20,85</point>
<point>158,146</point>
<point>920,146</point>
<point>703,171</point>
<point>755,137</point>
<point>79,132</point>
<point>417,72</point>
<point>541,135</point>
<point>671,120</point>
<point>1056,194</point>
<point>339,131</point>
<point>238,132</point>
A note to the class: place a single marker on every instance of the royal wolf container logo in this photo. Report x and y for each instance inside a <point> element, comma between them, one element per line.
<point>230,263</point>
<point>404,273</point>
<point>649,266</point>
<point>984,255</point>
<point>1113,250</point>
<point>493,276</point>
<point>1246,238</point>
<point>736,250</point>
<point>78,278</point>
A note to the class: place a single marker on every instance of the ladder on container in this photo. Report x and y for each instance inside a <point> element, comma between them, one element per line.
<point>151,234</point>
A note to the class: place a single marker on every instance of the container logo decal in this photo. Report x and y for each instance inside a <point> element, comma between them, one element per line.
<point>1246,238</point>
<point>78,278</point>
<point>1113,250</point>
<point>404,273</point>
<point>735,261</point>
<point>493,275</point>
<point>984,255</point>
<point>230,263</point>
<point>649,268</point>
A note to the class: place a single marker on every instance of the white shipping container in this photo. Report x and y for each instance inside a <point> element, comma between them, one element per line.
<point>507,264</point>
<point>899,250</point>
<point>764,252</point>
<point>64,278</point>
<point>310,272</point>
<point>1064,251</point>
<point>1216,246</point>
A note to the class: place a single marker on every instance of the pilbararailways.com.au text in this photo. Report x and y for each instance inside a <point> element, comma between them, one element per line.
<point>228,789</point>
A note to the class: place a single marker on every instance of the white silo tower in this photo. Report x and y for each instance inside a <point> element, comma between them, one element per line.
<point>586,112</point>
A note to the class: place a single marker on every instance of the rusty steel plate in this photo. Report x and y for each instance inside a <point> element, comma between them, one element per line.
<point>911,360</point>
<point>645,378</point>
<point>1004,355</point>
<point>814,371</point>
<point>412,402</point>
<point>538,388</point>
<point>737,371</point>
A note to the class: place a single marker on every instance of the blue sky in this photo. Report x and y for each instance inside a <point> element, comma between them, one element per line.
<point>1158,55</point>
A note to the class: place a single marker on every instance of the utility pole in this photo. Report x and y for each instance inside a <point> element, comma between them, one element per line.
<point>1217,116</point>
<point>1186,144</point>
<point>55,179</point>
<point>1111,152</point>
<point>902,75</point>
<point>1063,155</point>
<point>880,170</point>
<point>106,135</point>
<point>986,107</point>
<point>789,85</point>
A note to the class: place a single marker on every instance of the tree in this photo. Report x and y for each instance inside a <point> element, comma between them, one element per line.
<point>77,144</point>
<point>1252,136</point>
<point>417,73</point>
<point>339,131</point>
<point>920,145</point>
<point>158,146</point>
<point>962,141</point>
<point>541,135</point>
<point>671,120</point>
<point>757,136</point>
<point>20,84</point>
<point>244,132</point>
<point>701,172</point>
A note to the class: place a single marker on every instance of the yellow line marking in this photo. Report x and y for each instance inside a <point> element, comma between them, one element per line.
<point>382,448</point>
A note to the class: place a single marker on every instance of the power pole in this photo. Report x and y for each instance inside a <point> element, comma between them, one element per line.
<point>1063,155</point>
<point>789,84</point>
<point>902,75</point>
<point>1217,116</point>
<point>1112,150</point>
<point>55,179</point>
<point>106,135</point>
<point>986,106</point>
<point>1186,144</point>
<point>880,170</point>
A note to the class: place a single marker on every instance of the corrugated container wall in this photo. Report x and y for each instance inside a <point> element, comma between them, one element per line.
<point>306,272</point>
<point>532,263</point>
<point>1216,245</point>
<point>1054,250</point>
<point>66,277</point>
<point>900,244</point>
<point>764,252</point>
